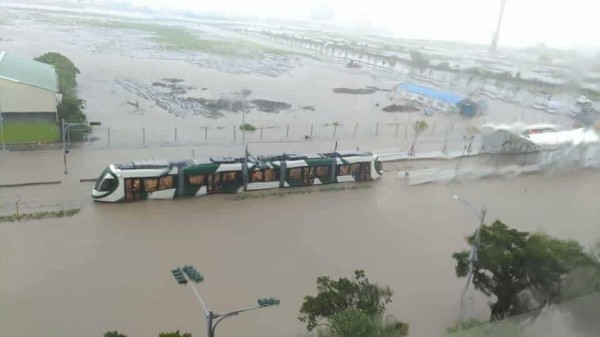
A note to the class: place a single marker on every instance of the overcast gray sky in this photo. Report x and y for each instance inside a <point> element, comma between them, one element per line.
<point>558,23</point>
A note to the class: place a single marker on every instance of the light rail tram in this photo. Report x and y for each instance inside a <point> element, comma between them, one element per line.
<point>160,179</point>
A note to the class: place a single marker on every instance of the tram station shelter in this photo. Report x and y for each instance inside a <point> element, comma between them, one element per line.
<point>29,96</point>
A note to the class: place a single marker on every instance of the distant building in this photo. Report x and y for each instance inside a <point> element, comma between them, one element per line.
<point>29,96</point>
<point>554,146</point>
<point>436,99</point>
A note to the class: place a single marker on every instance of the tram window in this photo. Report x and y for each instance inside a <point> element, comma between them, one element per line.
<point>197,179</point>
<point>323,171</point>
<point>378,166</point>
<point>165,183</point>
<point>151,184</point>
<point>230,177</point>
<point>99,180</point>
<point>344,170</point>
<point>107,185</point>
<point>270,175</point>
<point>295,173</point>
<point>256,176</point>
<point>354,168</point>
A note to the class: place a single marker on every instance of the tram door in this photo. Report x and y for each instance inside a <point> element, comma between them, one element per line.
<point>133,189</point>
<point>364,172</point>
<point>308,176</point>
<point>214,182</point>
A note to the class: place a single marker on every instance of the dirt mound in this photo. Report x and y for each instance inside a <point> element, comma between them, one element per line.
<point>175,89</point>
<point>358,91</point>
<point>172,80</point>
<point>270,106</point>
<point>400,108</point>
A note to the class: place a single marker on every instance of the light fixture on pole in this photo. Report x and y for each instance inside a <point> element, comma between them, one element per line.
<point>480,214</point>
<point>189,273</point>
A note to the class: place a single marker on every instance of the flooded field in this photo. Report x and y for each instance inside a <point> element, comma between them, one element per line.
<point>288,93</point>
<point>109,267</point>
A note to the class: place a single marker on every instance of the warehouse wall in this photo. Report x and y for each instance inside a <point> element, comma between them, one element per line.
<point>17,98</point>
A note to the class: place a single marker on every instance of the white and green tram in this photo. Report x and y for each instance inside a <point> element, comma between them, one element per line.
<point>157,179</point>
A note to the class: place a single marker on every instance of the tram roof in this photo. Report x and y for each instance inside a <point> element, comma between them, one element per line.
<point>145,164</point>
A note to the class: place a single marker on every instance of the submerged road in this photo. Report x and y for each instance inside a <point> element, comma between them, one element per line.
<point>109,266</point>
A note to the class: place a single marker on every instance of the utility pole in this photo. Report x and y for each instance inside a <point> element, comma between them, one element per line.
<point>496,37</point>
<point>2,136</point>
<point>480,214</point>
<point>65,129</point>
<point>244,122</point>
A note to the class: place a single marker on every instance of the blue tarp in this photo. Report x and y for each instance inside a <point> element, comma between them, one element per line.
<point>444,96</point>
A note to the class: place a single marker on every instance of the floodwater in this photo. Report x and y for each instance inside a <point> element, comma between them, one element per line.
<point>109,267</point>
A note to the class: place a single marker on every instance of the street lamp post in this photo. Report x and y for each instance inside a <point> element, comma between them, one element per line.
<point>480,214</point>
<point>182,275</point>
<point>65,128</point>
<point>2,133</point>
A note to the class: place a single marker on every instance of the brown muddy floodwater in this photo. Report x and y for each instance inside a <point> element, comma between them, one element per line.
<point>109,267</point>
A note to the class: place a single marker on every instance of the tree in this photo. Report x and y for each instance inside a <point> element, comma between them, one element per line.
<point>419,60</point>
<point>519,267</point>
<point>336,296</point>
<point>174,334</point>
<point>355,323</point>
<point>469,137</point>
<point>418,128</point>
<point>71,107</point>
<point>65,70</point>
<point>351,323</point>
<point>114,334</point>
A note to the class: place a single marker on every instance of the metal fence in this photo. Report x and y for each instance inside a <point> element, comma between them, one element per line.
<point>436,136</point>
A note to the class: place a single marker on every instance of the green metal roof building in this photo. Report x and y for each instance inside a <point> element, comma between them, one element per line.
<point>29,96</point>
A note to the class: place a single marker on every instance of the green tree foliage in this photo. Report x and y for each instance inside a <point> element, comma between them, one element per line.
<point>247,127</point>
<point>65,69</point>
<point>351,323</point>
<point>71,107</point>
<point>174,334</point>
<point>355,323</point>
<point>419,60</point>
<point>336,296</point>
<point>113,334</point>
<point>511,262</point>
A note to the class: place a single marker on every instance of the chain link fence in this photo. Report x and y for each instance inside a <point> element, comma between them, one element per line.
<point>189,135</point>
